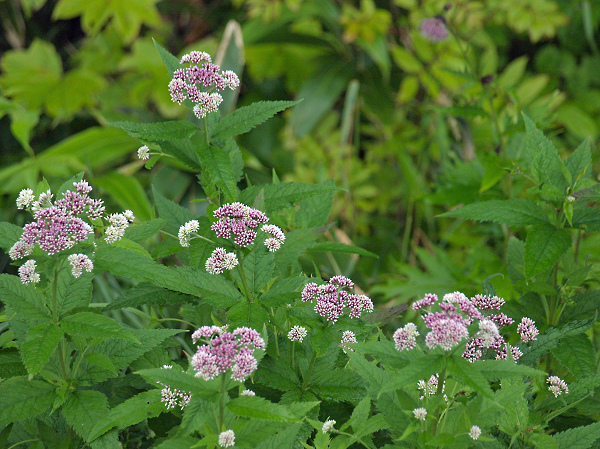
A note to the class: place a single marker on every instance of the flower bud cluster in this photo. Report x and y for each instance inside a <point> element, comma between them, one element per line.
<point>174,397</point>
<point>348,338</point>
<point>57,226</point>
<point>226,350</point>
<point>434,29</point>
<point>27,273</point>
<point>405,337</point>
<point>297,333</point>
<point>80,262</point>
<point>196,81</point>
<point>527,330</point>
<point>333,298</point>
<point>221,260</point>
<point>118,225</point>
<point>227,438</point>
<point>557,386</point>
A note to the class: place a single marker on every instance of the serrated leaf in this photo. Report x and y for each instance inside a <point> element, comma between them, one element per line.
<point>68,185</point>
<point>158,132</point>
<point>72,292</point>
<point>247,117</point>
<point>195,414</point>
<point>371,425</point>
<point>184,151</point>
<point>145,293</point>
<point>285,194</point>
<point>142,231</point>
<point>336,247</point>
<point>577,355</point>
<point>543,247</point>
<point>248,314</point>
<point>550,339</point>
<point>110,440</point>
<point>23,299</point>
<point>11,364</point>
<point>500,369</point>
<point>580,161</point>
<point>101,360</point>
<point>421,368</point>
<point>170,61</point>
<point>296,244</point>
<point>217,163</point>
<point>133,411</point>
<point>173,213</point>
<point>182,381</point>
<point>578,437</point>
<point>20,399</point>
<point>93,325</point>
<point>276,374</point>
<point>359,414</point>
<point>283,291</point>
<point>258,267</point>
<point>127,192</point>
<point>464,372</point>
<point>40,343</point>
<point>9,235</point>
<point>336,385</point>
<point>256,407</point>
<point>83,410</point>
<point>512,212</point>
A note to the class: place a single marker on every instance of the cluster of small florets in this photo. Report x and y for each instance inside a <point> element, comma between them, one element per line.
<point>196,81</point>
<point>406,337</point>
<point>328,425</point>
<point>557,386</point>
<point>434,29</point>
<point>241,221</point>
<point>348,338</point>
<point>174,397</point>
<point>57,226</point>
<point>475,432</point>
<point>420,413</point>
<point>186,232</point>
<point>226,350</point>
<point>144,152</point>
<point>527,330</point>
<point>247,393</point>
<point>227,438</point>
<point>221,260</point>
<point>332,298</point>
<point>118,224</point>
<point>297,333</point>
<point>27,273</point>
<point>430,387</point>
<point>80,262</point>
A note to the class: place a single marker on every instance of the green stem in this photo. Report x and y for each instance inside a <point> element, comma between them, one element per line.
<point>24,441</point>
<point>355,438</point>
<point>293,350</point>
<point>554,414</point>
<point>222,402</point>
<point>55,320</point>
<point>205,123</point>
<point>247,293</point>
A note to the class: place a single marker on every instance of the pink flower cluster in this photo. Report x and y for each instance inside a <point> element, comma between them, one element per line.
<point>557,386</point>
<point>58,226</point>
<point>527,330</point>
<point>226,350</point>
<point>80,262</point>
<point>221,260</point>
<point>434,29</point>
<point>241,221</point>
<point>348,338</point>
<point>332,298</point>
<point>202,74</point>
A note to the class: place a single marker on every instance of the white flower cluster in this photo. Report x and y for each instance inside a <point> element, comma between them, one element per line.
<point>118,224</point>
<point>420,413</point>
<point>27,273</point>
<point>277,237</point>
<point>186,231</point>
<point>80,262</point>
<point>297,333</point>
<point>227,438</point>
<point>144,152</point>
<point>328,425</point>
<point>25,199</point>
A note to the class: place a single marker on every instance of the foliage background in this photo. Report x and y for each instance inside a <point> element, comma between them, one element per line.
<point>404,125</point>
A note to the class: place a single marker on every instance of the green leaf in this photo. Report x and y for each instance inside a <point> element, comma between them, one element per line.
<point>101,360</point>
<point>126,16</point>
<point>256,407</point>
<point>582,437</point>
<point>133,411</point>
<point>11,364</point>
<point>500,369</point>
<point>285,194</point>
<point>551,338</point>
<point>93,325</point>
<point>359,414</point>
<point>512,212</point>
<point>286,437</point>
<point>464,372</point>
<point>142,231</point>
<point>9,235</point>
<point>157,132</point>
<point>110,440</point>
<point>170,61</point>
<point>182,381</point>
<point>127,192</point>
<point>248,314</point>
<point>40,343</point>
<point>544,246</point>
<point>296,244</point>
<point>421,368</point>
<point>175,215</point>
<point>580,161</point>
<point>21,398</point>
<point>184,151</point>
<point>258,266</point>
<point>576,354</point>
<point>336,247</point>
<point>247,117</point>
<point>216,162</point>
<point>83,410</point>
<point>145,293</point>
<point>283,291</point>
<point>337,385</point>
<point>72,292</point>
<point>371,425</point>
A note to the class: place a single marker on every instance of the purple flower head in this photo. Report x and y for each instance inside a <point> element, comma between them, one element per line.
<point>225,350</point>
<point>80,262</point>
<point>27,273</point>
<point>221,260</point>
<point>428,300</point>
<point>434,29</point>
<point>199,81</point>
<point>333,298</point>
<point>348,338</point>
<point>527,330</point>
<point>485,302</point>
<point>297,333</point>
<point>405,337</point>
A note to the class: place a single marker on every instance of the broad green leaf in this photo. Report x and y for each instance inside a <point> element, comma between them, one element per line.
<point>580,161</point>
<point>247,117</point>
<point>69,184</point>
<point>184,151</point>
<point>157,132</point>
<point>11,364</point>
<point>500,369</point>
<point>126,16</point>
<point>286,437</point>
<point>182,381</point>
<point>110,440</point>
<point>130,412</point>
<point>23,299</point>
<point>93,325</point>
<point>127,192</point>
<point>576,354</point>
<point>258,267</point>
<point>282,195</point>
<point>545,244</point>
<point>173,213</point>
<point>9,235</point>
<point>83,410</point>
<point>336,247</point>
<point>422,368</point>
<point>296,244</point>
<point>145,293</point>
<point>250,314</point>
<point>101,360</point>
<point>464,372</point>
<point>217,163</point>
<point>582,437</point>
<point>170,61</point>
<point>40,343</point>
<point>551,338</point>
<point>142,231</point>
<point>276,374</point>
<point>371,425</point>
<point>359,414</point>
<point>72,292</point>
<point>336,385</point>
<point>283,291</point>
<point>21,398</point>
<point>513,212</point>
<point>256,407</point>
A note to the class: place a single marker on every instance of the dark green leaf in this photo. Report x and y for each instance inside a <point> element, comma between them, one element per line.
<point>256,407</point>
<point>578,437</point>
<point>142,231</point>
<point>83,410</point>
<point>336,247</point>
<point>21,398</point>
<point>157,132</point>
<point>173,213</point>
<point>545,244</point>
<point>513,212</point>
<point>217,164</point>
<point>40,343</point>
<point>9,235</point>
<point>145,293</point>
<point>285,194</point>
<point>93,325</point>
<point>170,61</point>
